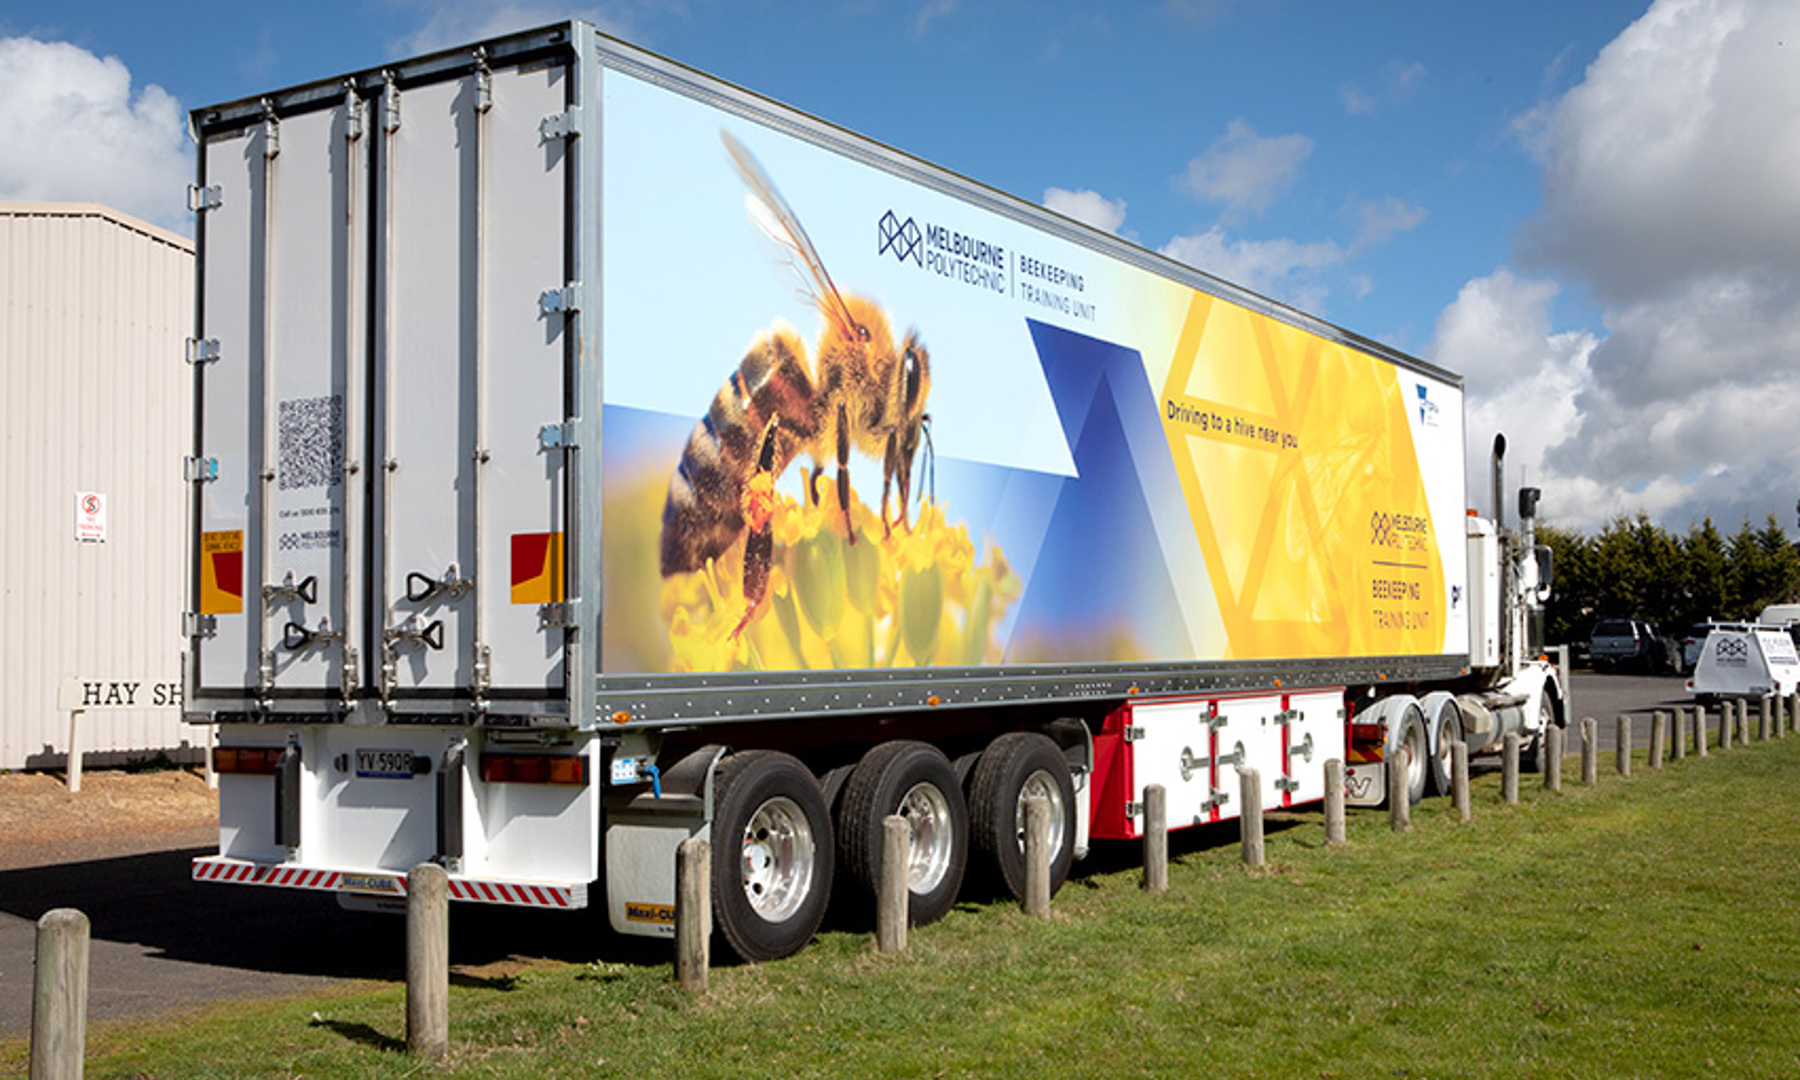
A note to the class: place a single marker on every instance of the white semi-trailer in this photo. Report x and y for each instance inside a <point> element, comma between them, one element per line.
<point>591,454</point>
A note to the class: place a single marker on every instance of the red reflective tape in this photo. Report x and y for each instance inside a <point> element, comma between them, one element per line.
<point>540,897</point>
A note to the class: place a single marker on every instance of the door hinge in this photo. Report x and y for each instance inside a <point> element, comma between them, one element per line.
<point>202,350</point>
<point>353,112</point>
<point>563,301</point>
<point>557,437</point>
<point>1286,717</point>
<point>390,103</point>
<point>555,616</point>
<point>484,82</point>
<point>1133,734</point>
<point>271,130</point>
<point>561,125</point>
<point>198,470</point>
<point>1289,786</point>
<point>1133,809</point>
<point>201,199</point>
<point>196,625</point>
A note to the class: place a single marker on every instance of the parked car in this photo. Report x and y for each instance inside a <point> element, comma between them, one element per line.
<point>1695,641</point>
<point>1633,643</point>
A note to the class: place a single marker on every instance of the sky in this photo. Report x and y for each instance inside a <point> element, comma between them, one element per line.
<point>1590,211</point>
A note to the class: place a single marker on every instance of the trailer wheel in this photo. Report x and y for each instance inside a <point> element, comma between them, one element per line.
<point>916,781</point>
<point>772,854</point>
<point>1014,767</point>
<point>1408,734</point>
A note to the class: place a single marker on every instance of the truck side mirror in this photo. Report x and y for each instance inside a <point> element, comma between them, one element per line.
<point>1546,568</point>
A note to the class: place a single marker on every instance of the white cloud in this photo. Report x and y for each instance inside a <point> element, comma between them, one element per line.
<point>1357,101</point>
<point>1398,83</point>
<point>450,23</point>
<point>1679,154</point>
<point>73,130</point>
<point>1089,207</point>
<point>1672,195</point>
<point>1520,379</point>
<point>1246,171</point>
<point>932,11</point>
<point>1303,273</point>
<point>1287,270</point>
<point>1379,222</point>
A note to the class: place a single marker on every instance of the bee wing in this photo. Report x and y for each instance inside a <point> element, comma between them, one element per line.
<point>771,214</point>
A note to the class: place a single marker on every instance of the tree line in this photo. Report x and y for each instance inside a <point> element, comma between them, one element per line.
<point>1635,568</point>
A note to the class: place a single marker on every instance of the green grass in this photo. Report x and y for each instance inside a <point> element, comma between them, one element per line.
<point>1648,928</point>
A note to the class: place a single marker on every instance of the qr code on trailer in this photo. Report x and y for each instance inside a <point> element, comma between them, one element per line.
<point>311,442</point>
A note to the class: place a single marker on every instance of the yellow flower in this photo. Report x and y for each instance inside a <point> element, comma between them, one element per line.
<point>913,595</point>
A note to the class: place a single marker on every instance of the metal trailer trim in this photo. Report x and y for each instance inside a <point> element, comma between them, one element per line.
<point>653,702</point>
<point>555,896</point>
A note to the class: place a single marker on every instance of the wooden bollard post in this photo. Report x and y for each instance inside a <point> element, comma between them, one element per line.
<point>1156,839</point>
<point>1678,733</point>
<point>1037,856</point>
<point>1793,711</point>
<point>1700,731</point>
<point>1743,721</point>
<point>1590,751</point>
<point>59,996</point>
<point>1780,717</point>
<point>1511,748</point>
<point>1728,723</point>
<point>1765,718</point>
<point>896,867</point>
<point>1622,736</point>
<point>1459,778</point>
<point>1250,821</point>
<point>428,961</point>
<point>1659,724</point>
<point>1399,798</point>
<point>1335,835</point>
<point>1553,757</point>
<point>693,914</point>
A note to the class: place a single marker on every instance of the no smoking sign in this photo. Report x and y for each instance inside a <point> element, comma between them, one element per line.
<point>90,516</point>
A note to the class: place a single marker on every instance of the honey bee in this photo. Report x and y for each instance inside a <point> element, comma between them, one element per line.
<point>860,390</point>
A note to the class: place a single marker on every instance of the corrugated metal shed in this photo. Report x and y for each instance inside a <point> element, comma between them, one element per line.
<point>95,308</point>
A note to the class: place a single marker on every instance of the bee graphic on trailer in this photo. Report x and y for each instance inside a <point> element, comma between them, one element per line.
<point>860,390</point>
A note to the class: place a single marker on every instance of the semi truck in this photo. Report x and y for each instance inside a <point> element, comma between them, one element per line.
<point>590,454</point>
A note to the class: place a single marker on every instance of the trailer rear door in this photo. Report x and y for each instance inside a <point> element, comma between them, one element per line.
<point>377,510</point>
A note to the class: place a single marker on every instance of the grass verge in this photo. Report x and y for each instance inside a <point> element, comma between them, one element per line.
<point>1647,927</point>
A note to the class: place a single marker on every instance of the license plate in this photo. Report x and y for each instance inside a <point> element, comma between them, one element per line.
<point>384,764</point>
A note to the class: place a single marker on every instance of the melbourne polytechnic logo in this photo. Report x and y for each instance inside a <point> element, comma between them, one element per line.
<point>900,237</point>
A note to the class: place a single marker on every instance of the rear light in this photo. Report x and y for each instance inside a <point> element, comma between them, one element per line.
<point>1367,744</point>
<point>247,760</point>
<point>534,769</point>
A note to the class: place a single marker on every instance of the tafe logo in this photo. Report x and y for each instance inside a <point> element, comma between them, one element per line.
<point>900,237</point>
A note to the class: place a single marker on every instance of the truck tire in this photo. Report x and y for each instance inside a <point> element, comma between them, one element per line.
<point>1408,733</point>
<point>1449,730</point>
<point>916,781</point>
<point>1015,766</point>
<point>771,854</point>
<point>1531,755</point>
